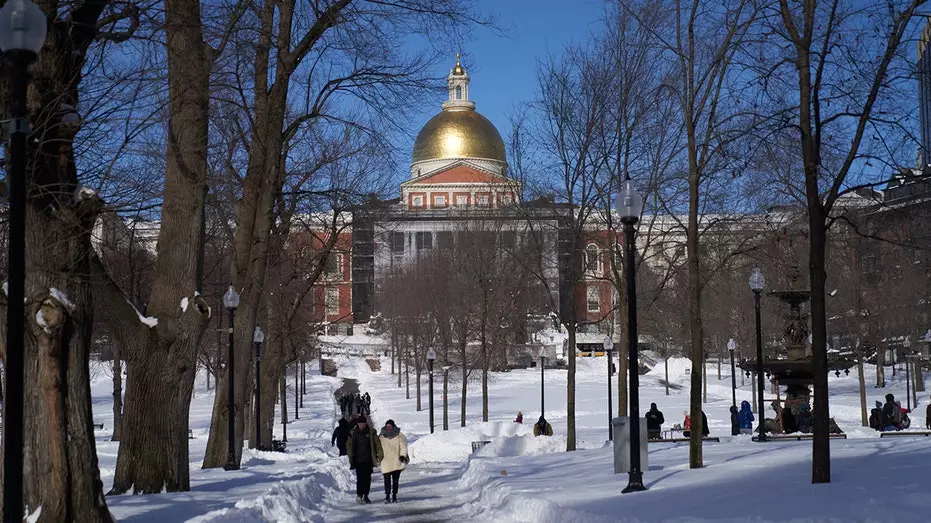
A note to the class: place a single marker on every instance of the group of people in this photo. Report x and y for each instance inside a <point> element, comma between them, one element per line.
<point>540,428</point>
<point>367,448</point>
<point>355,403</point>
<point>655,420</point>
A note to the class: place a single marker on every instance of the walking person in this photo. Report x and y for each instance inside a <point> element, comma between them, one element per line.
<point>928,416</point>
<point>340,435</point>
<point>364,449</point>
<point>394,450</point>
<point>655,422</point>
<point>735,421</point>
<point>745,418</point>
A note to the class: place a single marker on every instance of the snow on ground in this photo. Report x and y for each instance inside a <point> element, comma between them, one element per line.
<point>518,477</point>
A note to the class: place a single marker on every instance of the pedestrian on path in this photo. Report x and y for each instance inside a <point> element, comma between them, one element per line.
<point>364,449</point>
<point>542,427</point>
<point>394,450</point>
<point>745,418</point>
<point>340,435</point>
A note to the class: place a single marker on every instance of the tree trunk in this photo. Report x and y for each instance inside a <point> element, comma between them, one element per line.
<point>864,416</point>
<point>666,363</point>
<point>418,380</point>
<point>162,360</point>
<point>117,394</point>
<point>484,341</point>
<point>919,376</point>
<point>821,444</point>
<point>463,346</point>
<point>704,384</point>
<point>753,388</point>
<point>880,367</point>
<point>283,399</point>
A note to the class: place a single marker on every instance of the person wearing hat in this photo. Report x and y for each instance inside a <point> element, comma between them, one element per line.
<point>364,449</point>
<point>394,450</point>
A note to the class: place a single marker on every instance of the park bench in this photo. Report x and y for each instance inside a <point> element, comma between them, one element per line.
<point>904,433</point>
<point>684,440</point>
<point>796,437</point>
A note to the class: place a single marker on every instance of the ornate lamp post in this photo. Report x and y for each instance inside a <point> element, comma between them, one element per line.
<point>431,357</point>
<point>629,206</point>
<point>258,337</point>
<point>231,302</point>
<point>731,347</point>
<point>22,32</point>
<point>757,282</point>
<point>446,397</point>
<point>609,350</point>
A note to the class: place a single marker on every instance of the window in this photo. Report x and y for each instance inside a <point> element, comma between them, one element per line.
<point>417,201</point>
<point>592,265</point>
<point>481,200</point>
<point>444,240</point>
<point>462,200</point>
<point>333,264</point>
<point>397,242</point>
<point>439,201</point>
<point>458,92</point>
<point>506,199</point>
<point>332,301</point>
<point>424,240</point>
<point>594,300</point>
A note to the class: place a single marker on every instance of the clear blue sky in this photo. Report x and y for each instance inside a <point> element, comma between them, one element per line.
<point>503,67</point>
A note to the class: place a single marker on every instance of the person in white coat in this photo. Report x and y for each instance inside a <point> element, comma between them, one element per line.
<point>394,447</point>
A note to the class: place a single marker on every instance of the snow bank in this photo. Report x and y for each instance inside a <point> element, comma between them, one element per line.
<point>456,444</point>
<point>524,445</point>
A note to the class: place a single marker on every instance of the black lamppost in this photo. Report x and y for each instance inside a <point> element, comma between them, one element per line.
<point>231,302</point>
<point>542,383</point>
<point>22,32</point>
<point>445,397</point>
<point>731,347</point>
<point>258,337</point>
<point>757,282</point>
<point>908,375</point>
<point>431,357</point>
<point>609,350</point>
<point>629,205</point>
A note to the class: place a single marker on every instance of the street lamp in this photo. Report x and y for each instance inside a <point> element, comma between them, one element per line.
<point>731,347</point>
<point>431,357</point>
<point>22,32</point>
<point>629,205</point>
<point>908,376</point>
<point>757,282</point>
<point>258,337</point>
<point>542,382</point>
<point>609,349</point>
<point>445,397</point>
<point>231,302</point>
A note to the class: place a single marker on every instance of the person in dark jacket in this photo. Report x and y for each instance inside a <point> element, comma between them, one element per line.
<point>890,409</point>
<point>655,422</point>
<point>365,453</point>
<point>705,431</point>
<point>928,417</point>
<point>340,434</point>
<point>745,418</point>
<point>542,427</point>
<point>519,418</point>
<point>735,422</point>
<point>788,421</point>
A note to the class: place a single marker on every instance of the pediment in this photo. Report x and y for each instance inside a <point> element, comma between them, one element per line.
<point>463,173</point>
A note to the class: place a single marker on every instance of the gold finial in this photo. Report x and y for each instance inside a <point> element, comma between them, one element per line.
<point>458,70</point>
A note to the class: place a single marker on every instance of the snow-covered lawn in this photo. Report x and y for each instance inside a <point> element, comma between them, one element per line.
<point>522,478</point>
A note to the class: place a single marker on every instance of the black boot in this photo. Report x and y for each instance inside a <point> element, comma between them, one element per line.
<point>358,500</point>
<point>387,498</point>
<point>394,497</point>
<point>366,500</point>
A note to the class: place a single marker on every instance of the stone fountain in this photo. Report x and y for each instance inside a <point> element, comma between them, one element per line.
<point>794,371</point>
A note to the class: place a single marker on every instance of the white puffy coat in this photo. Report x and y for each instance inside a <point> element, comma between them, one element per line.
<point>393,449</point>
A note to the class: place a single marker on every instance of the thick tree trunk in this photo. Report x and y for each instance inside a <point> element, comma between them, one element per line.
<point>696,329</point>
<point>821,444</point>
<point>117,395</point>
<point>570,383</point>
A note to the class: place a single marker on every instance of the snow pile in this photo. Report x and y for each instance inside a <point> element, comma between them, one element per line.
<point>524,445</point>
<point>456,444</point>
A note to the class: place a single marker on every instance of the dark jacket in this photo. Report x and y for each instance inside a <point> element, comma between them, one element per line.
<point>735,423</point>
<point>804,421</point>
<point>364,448</point>
<point>655,419</point>
<point>888,413</point>
<point>928,417</point>
<point>745,418</point>
<point>704,425</point>
<point>340,434</point>
<point>542,428</point>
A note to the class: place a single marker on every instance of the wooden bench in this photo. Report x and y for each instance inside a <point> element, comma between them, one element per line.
<point>683,440</point>
<point>796,437</point>
<point>903,433</point>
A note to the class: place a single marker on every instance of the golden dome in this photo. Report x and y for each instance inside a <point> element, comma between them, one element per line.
<point>458,133</point>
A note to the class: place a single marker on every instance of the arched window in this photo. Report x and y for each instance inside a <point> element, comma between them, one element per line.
<point>592,265</point>
<point>458,92</point>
